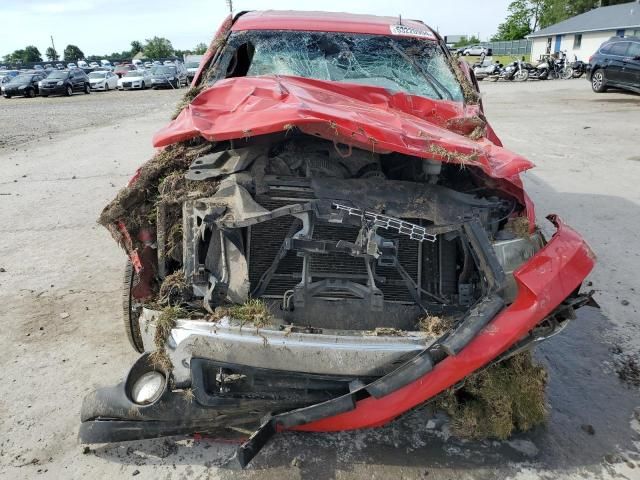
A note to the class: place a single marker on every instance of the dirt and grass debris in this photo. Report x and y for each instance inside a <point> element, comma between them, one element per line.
<point>519,226</point>
<point>254,312</point>
<point>435,326</point>
<point>498,401</point>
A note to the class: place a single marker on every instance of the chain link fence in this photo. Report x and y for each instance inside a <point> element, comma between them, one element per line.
<point>512,47</point>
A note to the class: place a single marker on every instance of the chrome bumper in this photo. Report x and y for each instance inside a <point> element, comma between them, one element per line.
<point>332,352</point>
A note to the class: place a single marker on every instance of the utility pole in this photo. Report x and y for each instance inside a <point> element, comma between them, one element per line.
<point>54,49</point>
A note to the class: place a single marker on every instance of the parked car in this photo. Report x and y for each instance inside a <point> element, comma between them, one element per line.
<point>169,76</point>
<point>474,50</point>
<point>192,68</point>
<point>123,68</point>
<point>59,66</point>
<point>71,65</point>
<point>330,212</point>
<point>94,65</point>
<point>23,85</point>
<point>135,80</point>
<point>103,80</point>
<point>148,64</point>
<point>616,64</point>
<point>65,82</point>
<point>7,75</point>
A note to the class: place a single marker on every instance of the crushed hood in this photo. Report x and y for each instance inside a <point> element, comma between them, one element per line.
<point>363,116</point>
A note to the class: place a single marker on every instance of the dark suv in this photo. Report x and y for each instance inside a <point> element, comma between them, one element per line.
<point>65,82</point>
<point>616,64</point>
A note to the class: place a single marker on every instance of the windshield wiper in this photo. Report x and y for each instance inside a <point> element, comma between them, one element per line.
<point>437,87</point>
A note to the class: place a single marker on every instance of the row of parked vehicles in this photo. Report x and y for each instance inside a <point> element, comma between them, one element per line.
<point>548,67</point>
<point>72,80</point>
<point>616,64</point>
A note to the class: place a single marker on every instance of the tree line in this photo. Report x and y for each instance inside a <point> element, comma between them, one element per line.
<point>527,16</point>
<point>153,48</point>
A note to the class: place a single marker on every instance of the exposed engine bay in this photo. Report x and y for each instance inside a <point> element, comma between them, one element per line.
<point>303,223</point>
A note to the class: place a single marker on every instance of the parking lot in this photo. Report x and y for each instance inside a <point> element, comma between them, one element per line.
<point>63,159</point>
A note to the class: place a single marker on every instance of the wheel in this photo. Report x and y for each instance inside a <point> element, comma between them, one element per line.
<point>566,73</point>
<point>466,54</point>
<point>87,89</point>
<point>30,93</point>
<point>7,96</point>
<point>69,91</point>
<point>106,87</point>
<point>521,76</point>
<point>131,312</point>
<point>599,81</point>
<point>144,86</point>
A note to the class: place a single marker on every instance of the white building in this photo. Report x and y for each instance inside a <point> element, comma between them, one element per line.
<point>583,34</point>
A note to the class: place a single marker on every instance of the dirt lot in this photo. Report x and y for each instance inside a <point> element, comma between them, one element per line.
<point>60,297</point>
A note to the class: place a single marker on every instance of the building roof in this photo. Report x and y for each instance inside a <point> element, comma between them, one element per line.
<point>330,22</point>
<point>614,17</point>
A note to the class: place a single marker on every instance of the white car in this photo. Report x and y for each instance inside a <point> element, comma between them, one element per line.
<point>475,50</point>
<point>103,80</point>
<point>93,65</point>
<point>71,65</point>
<point>82,64</point>
<point>135,79</point>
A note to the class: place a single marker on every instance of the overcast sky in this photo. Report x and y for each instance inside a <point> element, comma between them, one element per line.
<point>104,26</point>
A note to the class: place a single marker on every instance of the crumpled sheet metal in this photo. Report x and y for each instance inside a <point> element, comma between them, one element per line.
<point>364,116</point>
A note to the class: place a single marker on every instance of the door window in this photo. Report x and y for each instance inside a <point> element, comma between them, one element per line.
<point>620,49</point>
<point>634,50</point>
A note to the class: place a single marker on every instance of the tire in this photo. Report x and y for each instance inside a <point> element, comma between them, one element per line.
<point>566,73</point>
<point>7,96</point>
<point>521,76</point>
<point>87,89</point>
<point>30,93</point>
<point>144,86</point>
<point>599,81</point>
<point>466,54</point>
<point>131,314</point>
<point>106,87</point>
<point>69,91</point>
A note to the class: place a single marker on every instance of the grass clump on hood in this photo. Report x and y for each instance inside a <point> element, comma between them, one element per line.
<point>502,399</point>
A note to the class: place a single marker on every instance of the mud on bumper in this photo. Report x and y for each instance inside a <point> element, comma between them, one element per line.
<point>204,393</point>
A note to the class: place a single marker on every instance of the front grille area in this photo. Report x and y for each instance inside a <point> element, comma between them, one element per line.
<point>126,84</point>
<point>266,238</point>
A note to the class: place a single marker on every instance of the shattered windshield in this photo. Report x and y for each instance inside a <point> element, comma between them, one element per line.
<point>399,64</point>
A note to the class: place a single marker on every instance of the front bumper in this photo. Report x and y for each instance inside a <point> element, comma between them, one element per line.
<point>547,286</point>
<point>98,86</point>
<point>57,90</point>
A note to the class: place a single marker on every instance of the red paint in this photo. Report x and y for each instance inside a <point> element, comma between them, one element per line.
<point>323,22</point>
<point>543,283</point>
<point>371,118</point>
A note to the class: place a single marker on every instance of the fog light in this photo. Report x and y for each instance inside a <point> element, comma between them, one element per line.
<point>148,388</point>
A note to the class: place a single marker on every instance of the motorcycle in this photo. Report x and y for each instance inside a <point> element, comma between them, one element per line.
<point>486,69</point>
<point>515,71</point>
<point>576,69</point>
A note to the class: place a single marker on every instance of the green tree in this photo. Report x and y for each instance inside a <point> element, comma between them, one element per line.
<point>29,54</point>
<point>200,49</point>
<point>464,41</point>
<point>52,55</point>
<point>518,23</point>
<point>136,47</point>
<point>158,47</point>
<point>72,54</point>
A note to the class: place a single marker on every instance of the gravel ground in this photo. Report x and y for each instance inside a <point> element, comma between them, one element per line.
<point>27,119</point>
<point>60,297</point>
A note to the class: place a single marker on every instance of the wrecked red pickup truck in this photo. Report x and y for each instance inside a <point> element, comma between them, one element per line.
<point>330,187</point>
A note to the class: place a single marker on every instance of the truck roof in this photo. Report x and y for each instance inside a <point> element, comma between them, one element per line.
<point>331,22</point>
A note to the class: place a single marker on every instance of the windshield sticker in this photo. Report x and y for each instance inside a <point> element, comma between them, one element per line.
<point>413,32</point>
